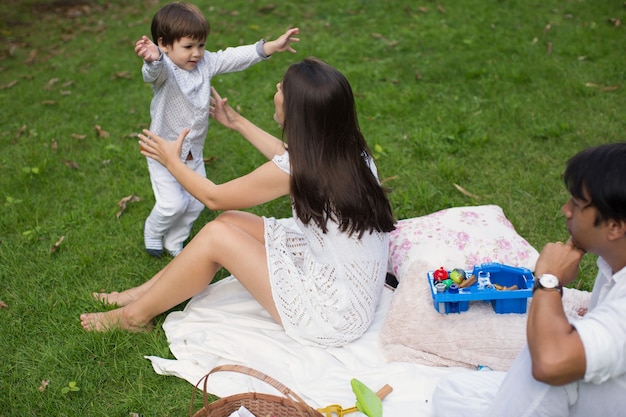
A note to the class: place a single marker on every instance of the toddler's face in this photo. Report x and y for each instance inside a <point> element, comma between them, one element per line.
<point>185,52</point>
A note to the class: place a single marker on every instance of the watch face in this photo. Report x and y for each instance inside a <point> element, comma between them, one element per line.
<point>548,281</point>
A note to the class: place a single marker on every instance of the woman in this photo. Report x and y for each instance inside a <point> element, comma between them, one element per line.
<point>323,281</point>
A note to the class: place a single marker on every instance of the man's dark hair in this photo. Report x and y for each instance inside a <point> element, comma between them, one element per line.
<point>597,176</point>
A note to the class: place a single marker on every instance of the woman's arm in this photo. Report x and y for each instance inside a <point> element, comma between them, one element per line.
<point>264,184</point>
<point>264,142</point>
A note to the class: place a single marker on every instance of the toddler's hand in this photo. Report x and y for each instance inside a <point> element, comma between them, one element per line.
<point>283,43</point>
<point>147,50</point>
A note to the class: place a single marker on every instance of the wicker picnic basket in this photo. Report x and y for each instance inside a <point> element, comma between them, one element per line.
<point>259,404</point>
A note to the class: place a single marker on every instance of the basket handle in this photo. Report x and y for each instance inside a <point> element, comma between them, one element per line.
<point>296,401</point>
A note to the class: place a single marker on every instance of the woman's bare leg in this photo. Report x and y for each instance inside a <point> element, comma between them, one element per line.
<point>234,240</point>
<point>125,297</point>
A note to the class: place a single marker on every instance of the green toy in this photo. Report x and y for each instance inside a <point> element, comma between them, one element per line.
<point>367,402</point>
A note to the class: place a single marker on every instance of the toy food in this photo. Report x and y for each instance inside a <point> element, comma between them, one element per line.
<point>440,274</point>
<point>457,275</point>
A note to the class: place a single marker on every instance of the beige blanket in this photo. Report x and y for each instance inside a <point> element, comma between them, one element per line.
<point>415,332</point>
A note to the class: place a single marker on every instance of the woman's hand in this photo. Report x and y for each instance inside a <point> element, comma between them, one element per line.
<point>163,151</point>
<point>220,110</point>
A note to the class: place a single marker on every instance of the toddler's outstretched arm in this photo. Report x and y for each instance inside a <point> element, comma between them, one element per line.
<point>147,50</point>
<point>283,43</point>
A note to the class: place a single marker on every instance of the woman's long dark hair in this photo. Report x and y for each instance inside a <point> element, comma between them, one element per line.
<point>330,176</point>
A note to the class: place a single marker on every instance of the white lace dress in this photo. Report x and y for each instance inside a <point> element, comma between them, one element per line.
<point>326,286</point>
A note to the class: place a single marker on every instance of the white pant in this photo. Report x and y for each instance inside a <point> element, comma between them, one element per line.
<point>170,221</point>
<point>517,394</point>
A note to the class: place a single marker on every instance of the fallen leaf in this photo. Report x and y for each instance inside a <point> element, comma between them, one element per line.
<point>465,192</point>
<point>71,164</point>
<point>602,87</point>
<point>124,201</point>
<point>385,180</point>
<point>440,8</point>
<point>20,131</point>
<point>101,133</point>
<point>51,83</point>
<point>3,304</point>
<point>31,57</point>
<point>123,74</point>
<point>54,145</point>
<point>423,9</point>
<point>55,247</point>
<point>209,159</point>
<point>615,22</point>
<point>49,102</point>
<point>8,85</point>
<point>43,385</point>
<point>77,136</point>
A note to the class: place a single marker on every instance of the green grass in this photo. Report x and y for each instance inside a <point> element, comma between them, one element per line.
<point>493,96</point>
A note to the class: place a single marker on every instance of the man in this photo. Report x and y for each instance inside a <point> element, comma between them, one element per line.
<point>567,369</point>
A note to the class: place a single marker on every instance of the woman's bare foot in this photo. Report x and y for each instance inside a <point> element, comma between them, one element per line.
<point>111,320</point>
<point>114,298</point>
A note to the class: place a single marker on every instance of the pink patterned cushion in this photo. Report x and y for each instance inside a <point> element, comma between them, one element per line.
<point>458,237</point>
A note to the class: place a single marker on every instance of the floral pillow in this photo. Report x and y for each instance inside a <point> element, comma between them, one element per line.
<point>459,237</point>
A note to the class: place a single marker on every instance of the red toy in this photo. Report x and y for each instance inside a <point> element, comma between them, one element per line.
<point>440,274</point>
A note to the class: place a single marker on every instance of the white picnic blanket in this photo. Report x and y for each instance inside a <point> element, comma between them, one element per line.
<point>225,325</point>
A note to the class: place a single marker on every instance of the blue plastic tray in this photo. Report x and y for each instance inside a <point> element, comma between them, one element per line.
<point>510,301</point>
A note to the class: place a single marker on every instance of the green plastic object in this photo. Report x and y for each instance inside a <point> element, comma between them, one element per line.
<point>366,400</point>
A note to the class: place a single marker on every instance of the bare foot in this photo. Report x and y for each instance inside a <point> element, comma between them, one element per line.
<point>114,298</point>
<point>111,320</point>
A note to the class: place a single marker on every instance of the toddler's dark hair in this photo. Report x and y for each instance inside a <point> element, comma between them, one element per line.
<point>177,20</point>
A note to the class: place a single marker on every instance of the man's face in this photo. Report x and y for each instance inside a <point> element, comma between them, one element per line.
<point>581,221</point>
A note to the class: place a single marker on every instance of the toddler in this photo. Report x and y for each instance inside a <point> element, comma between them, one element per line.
<point>180,71</point>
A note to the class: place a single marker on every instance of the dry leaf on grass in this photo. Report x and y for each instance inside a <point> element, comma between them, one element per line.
<point>56,246</point>
<point>3,304</point>
<point>101,133</point>
<point>51,83</point>
<point>71,164</point>
<point>123,74</point>
<point>465,192</point>
<point>8,85</point>
<point>20,131</point>
<point>602,87</point>
<point>43,385</point>
<point>386,180</point>
<point>32,55</point>
<point>124,201</point>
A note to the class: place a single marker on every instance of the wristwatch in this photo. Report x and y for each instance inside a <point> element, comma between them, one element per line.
<point>548,282</point>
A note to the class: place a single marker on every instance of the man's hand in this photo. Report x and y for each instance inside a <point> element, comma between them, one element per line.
<point>560,259</point>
